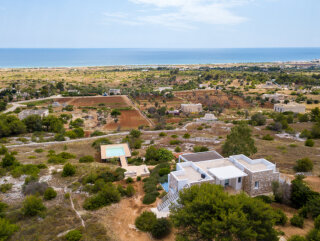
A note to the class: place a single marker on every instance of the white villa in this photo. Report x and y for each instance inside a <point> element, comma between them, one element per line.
<point>114,92</point>
<point>235,173</point>
<point>191,108</point>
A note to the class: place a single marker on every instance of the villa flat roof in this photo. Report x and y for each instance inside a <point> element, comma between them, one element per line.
<point>189,173</point>
<point>207,165</point>
<point>228,172</point>
<point>202,156</point>
<point>253,167</point>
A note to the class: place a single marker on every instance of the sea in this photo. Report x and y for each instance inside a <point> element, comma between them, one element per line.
<point>65,57</point>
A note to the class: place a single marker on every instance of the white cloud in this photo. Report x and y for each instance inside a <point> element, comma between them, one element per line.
<point>183,14</point>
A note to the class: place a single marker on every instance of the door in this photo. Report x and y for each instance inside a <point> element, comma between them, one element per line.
<point>226,182</point>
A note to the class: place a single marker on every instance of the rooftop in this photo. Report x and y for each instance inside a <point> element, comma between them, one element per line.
<point>228,172</point>
<point>189,173</point>
<point>259,166</point>
<point>201,156</point>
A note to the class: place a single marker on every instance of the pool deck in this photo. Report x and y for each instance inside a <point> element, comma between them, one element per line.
<point>122,145</point>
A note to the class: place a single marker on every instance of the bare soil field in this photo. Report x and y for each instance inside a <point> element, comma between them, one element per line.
<point>150,101</point>
<point>212,97</point>
<point>129,119</point>
<point>108,101</point>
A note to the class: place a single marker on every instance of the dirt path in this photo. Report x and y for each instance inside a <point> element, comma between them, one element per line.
<point>121,218</point>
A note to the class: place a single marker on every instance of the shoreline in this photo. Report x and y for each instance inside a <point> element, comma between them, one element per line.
<point>315,62</point>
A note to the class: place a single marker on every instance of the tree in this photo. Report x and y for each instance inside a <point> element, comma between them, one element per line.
<point>32,206</point>
<point>146,221</point>
<point>68,170</point>
<point>304,165</point>
<point>258,119</point>
<point>309,142</point>
<point>161,228</point>
<point>205,212</point>
<point>164,155</point>
<point>6,229</point>
<point>239,141</point>
<point>115,113</point>
<point>135,133</point>
<point>297,238</point>
<point>33,123</point>
<point>8,160</point>
<point>3,105</point>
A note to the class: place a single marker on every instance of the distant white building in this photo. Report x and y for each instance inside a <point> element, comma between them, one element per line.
<point>203,86</point>
<point>293,107</point>
<point>114,92</point>
<point>274,97</point>
<point>191,108</point>
<point>25,113</point>
<point>209,117</point>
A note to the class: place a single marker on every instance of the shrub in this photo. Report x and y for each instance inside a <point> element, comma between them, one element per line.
<point>309,142</point>
<point>97,133</point>
<point>297,221</point>
<point>200,148</point>
<point>129,180</point>
<point>186,136</point>
<point>304,165</point>
<point>146,221</point>
<point>56,160</point>
<point>138,178</point>
<point>178,149</point>
<point>297,238</point>
<point>268,137</point>
<point>264,198</point>
<point>86,159</point>
<point>313,235</point>
<point>164,171</point>
<point>3,150</point>
<point>149,198</point>
<point>73,235</point>
<point>130,190</point>
<point>108,195</point>
<point>101,141</point>
<point>68,170</point>
<point>317,222</point>
<point>281,218</point>
<point>175,142</point>
<point>49,193</point>
<point>162,134</point>
<point>32,187</point>
<point>161,228</point>
<point>8,160</point>
<point>32,206</point>
<point>5,187</point>
<point>6,229</point>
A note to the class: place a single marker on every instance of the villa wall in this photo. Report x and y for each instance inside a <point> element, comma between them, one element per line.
<point>265,180</point>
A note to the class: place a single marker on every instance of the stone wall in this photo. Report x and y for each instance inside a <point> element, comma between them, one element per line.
<point>173,183</point>
<point>265,180</point>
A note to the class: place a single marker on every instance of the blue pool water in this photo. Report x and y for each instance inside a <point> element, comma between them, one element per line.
<point>115,152</point>
<point>165,186</point>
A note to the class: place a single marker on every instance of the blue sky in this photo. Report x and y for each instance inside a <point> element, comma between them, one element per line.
<point>159,23</point>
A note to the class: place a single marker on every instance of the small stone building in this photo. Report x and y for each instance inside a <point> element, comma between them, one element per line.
<point>293,107</point>
<point>191,108</point>
<point>25,113</point>
<point>114,92</point>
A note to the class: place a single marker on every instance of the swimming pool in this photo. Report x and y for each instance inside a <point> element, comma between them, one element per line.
<point>115,152</point>
<point>165,186</point>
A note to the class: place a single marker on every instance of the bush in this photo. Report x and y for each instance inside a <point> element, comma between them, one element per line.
<point>297,221</point>
<point>32,187</point>
<point>162,134</point>
<point>313,235</point>
<point>175,142</point>
<point>161,228</point>
<point>281,218</point>
<point>317,222</point>
<point>304,165</point>
<point>297,238</point>
<point>49,194</point>
<point>6,229</point>
<point>56,160</point>
<point>73,235</point>
<point>264,198</point>
<point>309,143</point>
<point>164,171</point>
<point>178,149</point>
<point>5,187</point>
<point>68,170</point>
<point>186,136</point>
<point>101,141</point>
<point>149,198</point>
<point>108,195</point>
<point>200,148</point>
<point>268,137</point>
<point>3,150</point>
<point>138,179</point>
<point>8,160</point>
<point>258,120</point>
<point>86,159</point>
<point>32,206</point>
<point>129,180</point>
<point>130,190</point>
<point>146,221</point>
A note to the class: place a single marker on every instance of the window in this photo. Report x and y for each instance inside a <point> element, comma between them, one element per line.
<point>256,185</point>
<point>239,179</point>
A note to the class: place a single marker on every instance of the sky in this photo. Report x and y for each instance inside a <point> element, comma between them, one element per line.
<point>159,23</point>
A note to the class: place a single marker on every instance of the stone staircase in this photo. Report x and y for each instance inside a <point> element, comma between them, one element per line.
<point>167,200</point>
